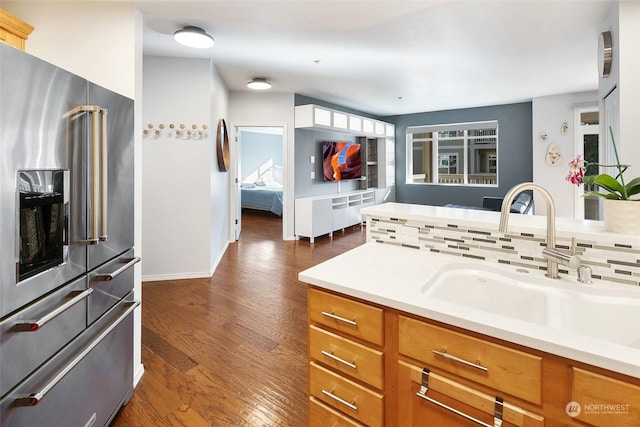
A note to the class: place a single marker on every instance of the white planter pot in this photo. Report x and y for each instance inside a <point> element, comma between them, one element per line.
<point>622,216</point>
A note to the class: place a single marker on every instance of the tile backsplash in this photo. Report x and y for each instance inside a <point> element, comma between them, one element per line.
<point>617,262</point>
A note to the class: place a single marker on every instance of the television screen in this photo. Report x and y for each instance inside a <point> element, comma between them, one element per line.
<point>341,160</point>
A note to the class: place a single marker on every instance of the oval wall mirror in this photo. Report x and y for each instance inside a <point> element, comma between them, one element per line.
<point>222,146</point>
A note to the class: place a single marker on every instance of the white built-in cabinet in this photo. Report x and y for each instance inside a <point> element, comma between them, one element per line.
<point>314,116</point>
<point>319,215</point>
<point>377,140</point>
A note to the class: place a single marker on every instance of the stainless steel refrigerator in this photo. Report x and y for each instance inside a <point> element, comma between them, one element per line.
<point>66,246</point>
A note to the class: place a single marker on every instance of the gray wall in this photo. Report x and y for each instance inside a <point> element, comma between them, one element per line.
<point>515,162</point>
<point>309,143</point>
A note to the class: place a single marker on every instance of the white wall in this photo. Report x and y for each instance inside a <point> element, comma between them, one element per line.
<point>219,181</point>
<point>184,195</point>
<point>95,40</point>
<point>101,42</point>
<point>623,24</point>
<point>267,109</point>
<point>549,113</point>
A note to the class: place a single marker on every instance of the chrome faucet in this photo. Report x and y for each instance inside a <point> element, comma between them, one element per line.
<point>550,253</point>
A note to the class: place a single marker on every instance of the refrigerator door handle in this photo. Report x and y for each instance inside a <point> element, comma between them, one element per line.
<point>98,170</point>
<point>110,276</point>
<point>95,173</point>
<point>34,325</point>
<point>103,175</point>
<point>34,398</point>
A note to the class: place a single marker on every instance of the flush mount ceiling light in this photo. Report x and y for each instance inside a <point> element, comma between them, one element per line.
<point>259,83</point>
<point>193,37</point>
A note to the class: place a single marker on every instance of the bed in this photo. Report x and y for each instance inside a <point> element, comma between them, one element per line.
<point>262,196</point>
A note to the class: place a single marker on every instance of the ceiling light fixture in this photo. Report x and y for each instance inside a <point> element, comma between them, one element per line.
<point>259,83</point>
<point>193,37</point>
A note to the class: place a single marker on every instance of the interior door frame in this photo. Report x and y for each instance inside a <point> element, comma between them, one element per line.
<point>234,181</point>
<point>578,148</point>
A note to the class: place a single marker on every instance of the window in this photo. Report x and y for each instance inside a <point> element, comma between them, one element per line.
<point>447,164</point>
<point>457,153</point>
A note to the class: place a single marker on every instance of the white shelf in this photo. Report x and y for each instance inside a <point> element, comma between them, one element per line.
<point>319,215</point>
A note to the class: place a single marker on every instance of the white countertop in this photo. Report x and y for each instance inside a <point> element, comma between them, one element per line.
<point>394,277</point>
<point>565,227</point>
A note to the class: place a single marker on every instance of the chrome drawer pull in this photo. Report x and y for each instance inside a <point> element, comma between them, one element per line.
<point>34,398</point>
<point>338,399</point>
<point>34,325</point>
<point>497,419</point>
<point>110,276</point>
<point>341,319</point>
<point>454,410</point>
<point>446,355</point>
<point>338,359</point>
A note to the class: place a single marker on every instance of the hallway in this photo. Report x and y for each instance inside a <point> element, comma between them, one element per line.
<point>232,350</point>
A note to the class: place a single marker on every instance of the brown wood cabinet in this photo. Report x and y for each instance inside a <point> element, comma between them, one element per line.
<point>600,400</point>
<point>513,372</point>
<point>398,369</point>
<point>346,365</point>
<point>428,399</point>
<point>13,30</point>
<point>321,415</point>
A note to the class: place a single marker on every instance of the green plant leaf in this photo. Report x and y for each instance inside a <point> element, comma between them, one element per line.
<point>614,196</point>
<point>633,187</point>
<point>608,183</point>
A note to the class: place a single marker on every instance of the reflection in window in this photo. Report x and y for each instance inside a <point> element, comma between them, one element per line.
<point>460,153</point>
<point>589,130</point>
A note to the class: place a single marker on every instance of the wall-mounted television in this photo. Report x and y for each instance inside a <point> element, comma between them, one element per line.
<point>341,160</point>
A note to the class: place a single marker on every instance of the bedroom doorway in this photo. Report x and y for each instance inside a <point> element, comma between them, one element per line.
<point>260,176</point>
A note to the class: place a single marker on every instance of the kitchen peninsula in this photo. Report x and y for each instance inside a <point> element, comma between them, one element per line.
<point>392,344</point>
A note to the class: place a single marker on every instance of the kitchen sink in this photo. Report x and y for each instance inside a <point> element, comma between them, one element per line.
<point>488,289</point>
<point>563,305</point>
<point>611,319</point>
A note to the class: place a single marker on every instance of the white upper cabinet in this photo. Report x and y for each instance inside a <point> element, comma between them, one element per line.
<point>313,116</point>
<point>340,120</point>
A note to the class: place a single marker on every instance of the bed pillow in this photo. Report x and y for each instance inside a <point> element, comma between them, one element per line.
<point>247,185</point>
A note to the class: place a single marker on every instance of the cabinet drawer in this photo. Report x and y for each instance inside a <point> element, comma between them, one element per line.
<point>36,333</point>
<point>346,356</point>
<point>109,288</point>
<point>604,401</point>
<point>348,397</point>
<point>320,415</point>
<point>428,398</point>
<point>351,317</point>
<point>510,371</point>
<point>82,385</point>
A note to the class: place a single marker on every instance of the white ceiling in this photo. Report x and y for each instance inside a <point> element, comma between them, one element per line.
<point>392,57</point>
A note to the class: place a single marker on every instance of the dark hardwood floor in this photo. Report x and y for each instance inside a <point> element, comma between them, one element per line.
<point>232,350</point>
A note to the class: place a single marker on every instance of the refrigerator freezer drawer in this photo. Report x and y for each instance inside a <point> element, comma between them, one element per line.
<point>110,282</point>
<point>31,336</point>
<point>85,384</point>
